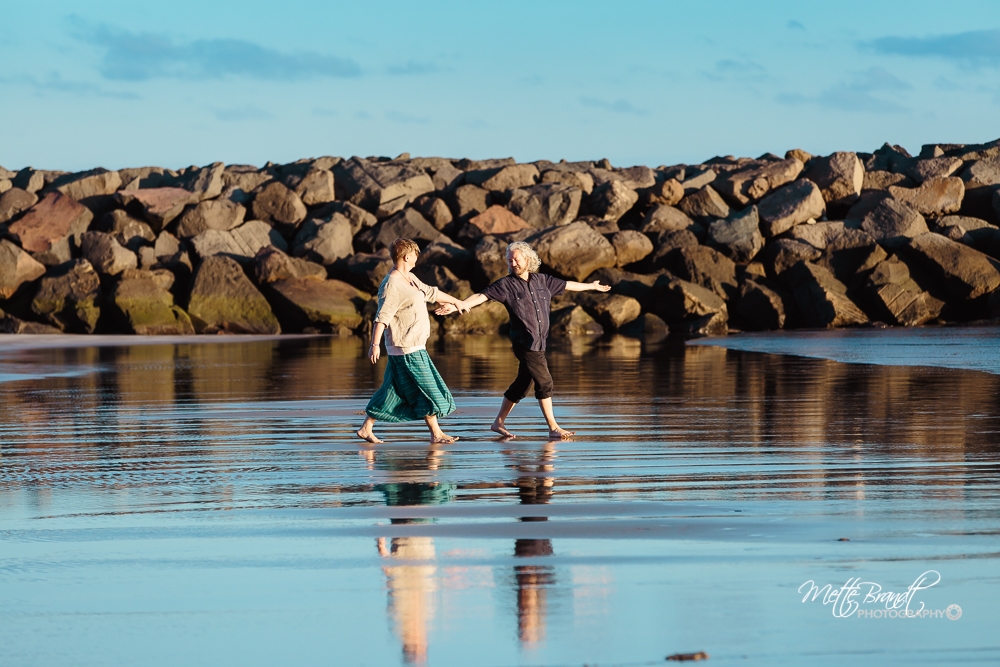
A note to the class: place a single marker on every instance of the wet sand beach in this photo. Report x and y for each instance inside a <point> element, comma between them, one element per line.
<point>203,502</point>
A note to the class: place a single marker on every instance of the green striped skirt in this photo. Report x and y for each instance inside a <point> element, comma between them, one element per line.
<point>411,389</point>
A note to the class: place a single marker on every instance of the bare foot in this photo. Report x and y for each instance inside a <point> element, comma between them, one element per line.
<point>368,435</point>
<point>443,439</point>
<point>498,427</point>
<point>560,434</point>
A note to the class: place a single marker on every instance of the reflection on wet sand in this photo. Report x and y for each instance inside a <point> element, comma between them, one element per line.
<point>535,486</point>
<point>202,436</point>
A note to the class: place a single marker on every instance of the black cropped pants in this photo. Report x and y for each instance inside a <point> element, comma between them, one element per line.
<point>532,368</point>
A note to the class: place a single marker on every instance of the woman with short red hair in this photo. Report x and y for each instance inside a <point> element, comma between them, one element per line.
<point>411,387</point>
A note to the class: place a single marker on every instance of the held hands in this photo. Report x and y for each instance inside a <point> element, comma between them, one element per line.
<point>449,308</point>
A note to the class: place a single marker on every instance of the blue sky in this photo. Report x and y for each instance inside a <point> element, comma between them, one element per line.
<point>121,84</point>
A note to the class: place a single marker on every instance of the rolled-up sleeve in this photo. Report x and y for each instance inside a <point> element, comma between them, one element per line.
<point>389,304</point>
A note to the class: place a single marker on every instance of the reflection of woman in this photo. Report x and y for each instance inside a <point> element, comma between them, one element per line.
<point>411,387</point>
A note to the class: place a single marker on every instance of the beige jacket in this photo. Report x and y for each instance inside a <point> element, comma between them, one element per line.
<point>402,309</point>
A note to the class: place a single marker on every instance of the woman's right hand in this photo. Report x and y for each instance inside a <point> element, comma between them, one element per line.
<point>373,352</point>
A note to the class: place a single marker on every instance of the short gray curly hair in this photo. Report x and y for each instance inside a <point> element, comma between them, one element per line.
<point>534,263</point>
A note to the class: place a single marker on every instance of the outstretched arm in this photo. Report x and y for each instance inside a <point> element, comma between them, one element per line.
<point>443,299</point>
<point>586,287</point>
<point>462,306</point>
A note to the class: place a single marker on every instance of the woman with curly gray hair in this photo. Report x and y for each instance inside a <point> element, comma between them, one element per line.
<point>527,295</point>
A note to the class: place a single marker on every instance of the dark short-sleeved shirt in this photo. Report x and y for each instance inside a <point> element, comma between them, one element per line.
<point>528,303</point>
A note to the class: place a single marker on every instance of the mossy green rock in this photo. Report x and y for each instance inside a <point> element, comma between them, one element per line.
<point>69,299</point>
<point>224,299</point>
<point>150,309</point>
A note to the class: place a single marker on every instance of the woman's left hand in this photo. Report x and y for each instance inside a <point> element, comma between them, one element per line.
<point>373,353</point>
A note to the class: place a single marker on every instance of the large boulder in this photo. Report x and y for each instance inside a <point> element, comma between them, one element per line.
<point>69,298</point>
<point>443,278</point>
<point>613,311</point>
<point>817,235</point>
<point>611,201</point>
<point>14,325</point>
<point>892,222</point>
<point>324,240</point>
<point>469,200</point>
<point>203,182</point>
<point>631,246</point>
<point>366,270</point>
<point>738,236</point>
<point>638,286</point>
<point>679,301</point>
<point>574,179</point>
<point>703,266</point>
<point>435,210</point>
<point>821,298</point>
<point>839,177</point>
<point>272,265</point>
<point>14,201</point>
<point>491,260</point>
<point>573,321</point>
<point>17,268</point>
<point>48,228</point>
<point>88,184</point>
<point>447,253</point>
<point>328,305</point>
<point>240,244</point>
<point>850,255</point>
<point>749,184</point>
<point>704,204</point>
<point>962,272</point>
<point>148,307</point>
<point>407,224</point>
<point>575,250</point>
<point>359,217</point>
<point>892,296</point>
<point>224,299</point>
<point>313,187</point>
<point>546,204</point>
<point>105,254</point>
<point>881,180</point>
<point>665,218</point>
<point>504,178</point>
<point>484,319</point>
<point>128,231</point>
<point>384,188</point>
<point>667,242</point>
<point>157,206</point>
<point>492,221</point>
<point>935,197</point>
<point>244,177</point>
<point>782,254</point>
<point>276,204</point>
<point>938,167</point>
<point>668,192</point>
<point>758,308</point>
<point>220,214</point>
<point>790,206</point>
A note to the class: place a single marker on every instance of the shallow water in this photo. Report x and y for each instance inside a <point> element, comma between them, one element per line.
<point>208,503</point>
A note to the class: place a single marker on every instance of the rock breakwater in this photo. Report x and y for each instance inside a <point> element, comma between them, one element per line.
<point>768,243</point>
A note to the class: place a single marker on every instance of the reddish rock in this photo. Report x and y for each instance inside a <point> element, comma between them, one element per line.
<point>495,220</point>
<point>45,229</point>
<point>158,206</point>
